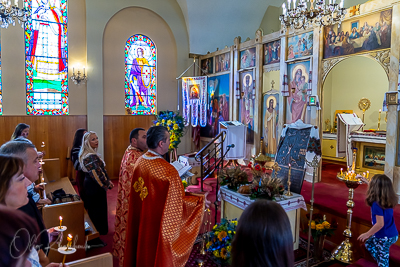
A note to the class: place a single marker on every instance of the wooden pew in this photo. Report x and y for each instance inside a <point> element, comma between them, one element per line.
<point>102,260</point>
<point>73,219</point>
<point>51,170</point>
<point>65,184</point>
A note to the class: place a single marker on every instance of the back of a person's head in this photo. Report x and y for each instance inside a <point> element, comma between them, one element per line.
<point>16,234</point>
<point>9,167</point>
<point>381,190</point>
<point>263,237</point>
<point>156,134</point>
<point>77,143</point>
<point>17,148</point>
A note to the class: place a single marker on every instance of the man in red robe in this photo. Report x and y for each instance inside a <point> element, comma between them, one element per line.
<point>163,220</point>
<point>132,153</point>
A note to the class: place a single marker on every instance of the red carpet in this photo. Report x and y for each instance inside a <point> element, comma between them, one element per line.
<point>330,195</point>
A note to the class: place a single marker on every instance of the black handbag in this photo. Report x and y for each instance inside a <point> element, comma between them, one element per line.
<point>59,196</point>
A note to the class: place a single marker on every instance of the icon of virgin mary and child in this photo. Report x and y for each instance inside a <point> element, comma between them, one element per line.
<point>297,99</point>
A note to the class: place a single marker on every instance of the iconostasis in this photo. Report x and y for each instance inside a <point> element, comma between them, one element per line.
<point>310,75</point>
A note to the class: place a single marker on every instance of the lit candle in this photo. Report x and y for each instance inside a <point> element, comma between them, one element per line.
<point>69,239</point>
<point>83,71</point>
<point>290,170</point>
<point>60,221</point>
<point>367,174</point>
<point>380,114</point>
<point>341,171</point>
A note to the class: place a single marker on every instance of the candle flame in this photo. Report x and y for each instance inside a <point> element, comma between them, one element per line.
<point>69,238</point>
<point>290,165</point>
<point>60,218</point>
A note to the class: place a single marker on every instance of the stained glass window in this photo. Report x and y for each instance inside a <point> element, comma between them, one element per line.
<point>46,62</point>
<point>140,76</point>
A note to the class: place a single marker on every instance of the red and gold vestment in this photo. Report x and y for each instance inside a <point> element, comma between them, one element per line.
<point>163,220</point>
<point>124,190</point>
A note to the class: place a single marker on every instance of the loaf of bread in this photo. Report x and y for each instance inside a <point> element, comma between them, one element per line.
<point>245,189</point>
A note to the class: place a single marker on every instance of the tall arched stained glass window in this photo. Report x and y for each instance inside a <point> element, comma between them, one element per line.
<point>140,76</point>
<point>46,52</point>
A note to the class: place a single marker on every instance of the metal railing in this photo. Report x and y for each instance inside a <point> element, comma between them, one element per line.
<point>211,158</point>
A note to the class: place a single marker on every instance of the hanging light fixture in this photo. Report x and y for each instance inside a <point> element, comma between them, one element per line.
<point>309,13</point>
<point>9,13</point>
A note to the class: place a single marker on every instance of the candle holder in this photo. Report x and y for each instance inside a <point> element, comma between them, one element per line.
<point>288,193</point>
<point>344,252</point>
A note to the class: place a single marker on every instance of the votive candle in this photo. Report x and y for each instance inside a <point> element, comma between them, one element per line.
<point>61,221</point>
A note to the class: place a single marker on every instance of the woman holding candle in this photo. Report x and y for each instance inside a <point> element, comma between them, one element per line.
<point>96,182</point>
<point>13,195</point>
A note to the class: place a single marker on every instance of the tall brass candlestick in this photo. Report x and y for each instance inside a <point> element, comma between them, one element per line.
<point>288,193</point>
<point>379,120</point>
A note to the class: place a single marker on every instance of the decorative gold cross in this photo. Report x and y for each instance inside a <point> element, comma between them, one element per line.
<point>272,84</point>
<point>139,187</point>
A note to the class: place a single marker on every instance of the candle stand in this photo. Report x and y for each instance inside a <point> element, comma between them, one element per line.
<point>344,252</point>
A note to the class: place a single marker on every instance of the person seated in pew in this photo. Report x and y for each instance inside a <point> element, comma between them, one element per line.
<point>17,245</point>
<point>25,150</point>
<point>263,237</point>
<point>95,185</point>
<point>80,175</point>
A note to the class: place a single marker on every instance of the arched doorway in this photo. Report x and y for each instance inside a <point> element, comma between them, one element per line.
<point>345,85</point>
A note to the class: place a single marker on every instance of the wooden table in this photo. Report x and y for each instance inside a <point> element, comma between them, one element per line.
<point>233,205</point>
<point>65,184</point>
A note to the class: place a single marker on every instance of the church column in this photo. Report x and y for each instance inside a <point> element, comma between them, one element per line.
<point>95,73</point>
<point>392,144</point>
<point>258,97</point>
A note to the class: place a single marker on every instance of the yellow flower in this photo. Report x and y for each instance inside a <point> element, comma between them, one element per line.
<point>234,232</point>
<point>208,244</point>
<point>312,224</point>
<point>223,253</point>
<point>163,121</point>
<point>215,226</point>
<point>229,232</point>
<point>216,253</point>
<point>176,126</point>
<point>222,235</point>
<point>169,122</point>
<point>234,222</point>
<point>157,124</point>
<point>326,225</point>
<point>184,182</point>
<point>229,248</point>
<point>319,227</point>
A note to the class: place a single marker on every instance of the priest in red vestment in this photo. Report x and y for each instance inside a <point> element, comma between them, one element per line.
<point>136,149</point>
<point>163,220</point>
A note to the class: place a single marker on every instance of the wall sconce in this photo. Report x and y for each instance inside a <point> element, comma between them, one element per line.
<point>78,78</point>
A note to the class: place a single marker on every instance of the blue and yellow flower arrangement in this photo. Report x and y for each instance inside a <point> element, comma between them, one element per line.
<point>175,125</point>
<point>220,240</point>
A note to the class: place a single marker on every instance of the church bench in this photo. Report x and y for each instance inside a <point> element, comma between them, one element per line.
<point>102,260</point>
<point>65,184</point>
<point>73,219</point>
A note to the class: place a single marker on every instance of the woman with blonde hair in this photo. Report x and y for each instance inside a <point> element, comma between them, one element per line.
<point>96,182</point>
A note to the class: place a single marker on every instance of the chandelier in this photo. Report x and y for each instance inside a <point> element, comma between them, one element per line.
<point>9,13</point>
<point>311,13</point>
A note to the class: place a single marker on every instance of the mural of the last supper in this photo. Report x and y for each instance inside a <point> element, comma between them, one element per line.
<point>361,34</point>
